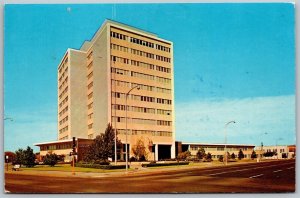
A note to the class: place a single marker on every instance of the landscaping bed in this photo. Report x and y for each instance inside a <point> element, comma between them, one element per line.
<point>98,166</point>
<point>165,164</point>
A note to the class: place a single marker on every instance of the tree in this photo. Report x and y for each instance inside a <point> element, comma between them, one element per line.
<point>208,157</point>
<point>139,150</point>
<point>51,159</point>
<point>201,153</point>
<point>183,155</point>
<point>241,154</point>
<point>25,157</point>
<point>29,157</point>
<point>253,155</point>
<point>221,158</point>
<point>102,147</point>
<point>19,157</point>
<point>232,156</point>
<point>269,154</point>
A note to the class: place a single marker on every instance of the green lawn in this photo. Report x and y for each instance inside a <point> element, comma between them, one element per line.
<point>67,168</point>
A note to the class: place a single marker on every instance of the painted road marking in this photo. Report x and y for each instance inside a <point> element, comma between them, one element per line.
<point>232,171</point>
<point>277,171</point>
<point>290,168</point>
<point>256,176</point>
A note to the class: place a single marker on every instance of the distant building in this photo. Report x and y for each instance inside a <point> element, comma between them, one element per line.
<point>63,148</point>
<point>279,151</point>
<point>216,150</point>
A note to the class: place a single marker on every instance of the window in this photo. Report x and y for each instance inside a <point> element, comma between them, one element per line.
<point>90,75</point>
<point>90,105</point>
<point>90,126</point>
<point>90,95</point>
<point>90,85</point>
<point>90,116</point>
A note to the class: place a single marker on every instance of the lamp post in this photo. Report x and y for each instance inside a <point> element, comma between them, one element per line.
<point>261,148</point>
<point>277,146</point>
<point>127,94</point>
<point>226,139</point>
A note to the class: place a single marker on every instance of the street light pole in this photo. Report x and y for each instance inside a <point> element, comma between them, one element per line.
<point>126,150</point>
<point>277,146</point>
<point>226,139</point>
<point>261,148</point>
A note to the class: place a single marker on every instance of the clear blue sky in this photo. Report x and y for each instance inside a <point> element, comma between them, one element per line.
<point>231,62</point>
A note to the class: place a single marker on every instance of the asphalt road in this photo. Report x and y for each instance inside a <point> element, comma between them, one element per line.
<point>263,177</point>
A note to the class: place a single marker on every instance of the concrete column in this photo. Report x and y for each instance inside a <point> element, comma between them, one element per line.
<point>173,151</point>
<point>156,152</point>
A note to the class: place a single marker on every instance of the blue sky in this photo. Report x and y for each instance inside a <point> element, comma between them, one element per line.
<point>231,62</point>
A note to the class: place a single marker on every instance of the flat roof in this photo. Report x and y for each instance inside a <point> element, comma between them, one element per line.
<point>58,141</point>
<point>216,144</point>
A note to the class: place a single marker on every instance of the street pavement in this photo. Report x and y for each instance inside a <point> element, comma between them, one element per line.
<point>263,177</point>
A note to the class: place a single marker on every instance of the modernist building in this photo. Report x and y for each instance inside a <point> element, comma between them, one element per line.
<point>94,80</point>
<point>64,148</point>
<point>280,151</point>
<point>216,150</point>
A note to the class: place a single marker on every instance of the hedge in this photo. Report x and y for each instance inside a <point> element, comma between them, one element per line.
<point>98,166</point>
<point>165,164</point>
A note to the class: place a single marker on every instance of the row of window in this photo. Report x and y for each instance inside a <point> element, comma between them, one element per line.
<point>90,95</point>
<point>56,147</point>
<point>142,53</point>
<point>163,101</point>
<point>133,108</point>
<point>118,47</point>
<point>90,116</point>
<point>139,75</point>
<point>90,136</point>
<point>63,92</point>
<point>142,98</point>
<point>162,48</point>
<point>142,121</point>
<point>64,138</point>
<point>219,148</point>
<point>139,41</point>
<point>90,54</point>
<point>90,85</point>
<point>63,83</point>
<point>141,86</point>
<point>163,58</point>
<point>89,65</point>
<point>118,35</point>
<point>63,102</point>
<point>140,64</point>
<point>63,74</point>
<point>64,63</point>
<point>90,105</point>
<point>90,75</point>
<point>63,111</point>
<point>62,121</point>
<point>144,132</point>
<point>63,129</point>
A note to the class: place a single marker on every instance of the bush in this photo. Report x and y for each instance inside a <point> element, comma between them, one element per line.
<point>221,158</point>
<point>132,159</point>
<point>50,159</point>
<point>165,164</point>
<point>98,166</point>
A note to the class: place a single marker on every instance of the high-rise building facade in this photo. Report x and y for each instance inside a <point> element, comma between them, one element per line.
<point>93,83</point>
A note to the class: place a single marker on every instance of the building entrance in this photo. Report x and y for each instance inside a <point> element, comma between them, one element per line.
<point>164,152</point>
